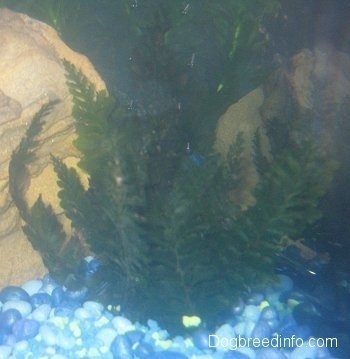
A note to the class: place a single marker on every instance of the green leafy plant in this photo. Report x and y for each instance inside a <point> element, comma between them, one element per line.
<point>45,232</point>
<point>157,208</point>
<point>194,250</point>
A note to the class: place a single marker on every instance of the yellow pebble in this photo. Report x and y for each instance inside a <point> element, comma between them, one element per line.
<point>81,353</point>
<point>264,304</point>
<point>75,329</point>
<point>191,321</point>
<point>60,322</point>
<point>165,344</point>
<point>101,322</point>
<point>188,343</point>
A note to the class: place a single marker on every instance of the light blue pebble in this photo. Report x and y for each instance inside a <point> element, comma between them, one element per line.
<point>48,288</point>
<point>23,307</point>
<point>153,325</point>
<point>269,353</point>
<point>252,313</point>
<point>168,354</point>
<point>234,354</point>
<point>225,331</point>
<point>121,348</point>
<point>106,335</point>
<point>82,314</point>
<point>41,313</point>
<point>32,286</point>
<point>304,352</point>
<point>59,356</point>
<point>122,324</point>
<point>20,347</point>
<point>5,351</point>
<point>65,342</point>
<point>269,313</point>
<point>262,330</point>
<point>249,327</point>
<point>323,353</point>
<point>248,352</point>
<point>94,308</point>
<point>48,334</point>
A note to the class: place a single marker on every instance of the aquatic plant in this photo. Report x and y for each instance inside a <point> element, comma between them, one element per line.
<point>42,228</point>
<point>193,251</point>
<point>168,231</point>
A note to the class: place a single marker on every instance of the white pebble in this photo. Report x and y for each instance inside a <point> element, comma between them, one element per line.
<point>48,288</point>
<point>75,328</point>
<point>225,331</point>
<point>48,335</point>
<point>249,327</point>
<point>240,329</point>
<point>20,347</point>
<point>82,314</point>
<point>65,342</point>
<point>251,312</point>
<point>5,351</point>
<point>94,308</point>
<point>249,352</point>
<point>32,286</point>
<point>304,351</point>
<point>41,313</point>
<point>93,352</point>
<point>122,325</point>
<point>107,335</point>
<point>22,306</point>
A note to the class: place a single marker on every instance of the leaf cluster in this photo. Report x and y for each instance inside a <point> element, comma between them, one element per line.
<point>190,250</point>
<point>162,220</point>
<point>42,227</point>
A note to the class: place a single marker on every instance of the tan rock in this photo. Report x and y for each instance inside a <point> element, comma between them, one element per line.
<point>31,74</point>
<point>314,88</point>
<point>242,117</point>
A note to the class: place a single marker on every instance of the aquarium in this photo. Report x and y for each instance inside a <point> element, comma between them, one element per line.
<point>174,179</point>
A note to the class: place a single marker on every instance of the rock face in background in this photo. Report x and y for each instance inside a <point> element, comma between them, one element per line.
<point>315,86</point>
<point>31,74</point>
<point>242,117</point>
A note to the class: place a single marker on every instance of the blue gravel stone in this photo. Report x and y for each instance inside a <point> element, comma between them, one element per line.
<point>168,354</point>
<point>121,348</point>
<point>234,354</point>
<point>269,313</point>
<point>25,329</point>
<point>14,293</point>
<point>269,353</point>
<point>200,339</point>
<point>41,313</point>
<point>143,350</point>
<point>57,296</point>
<point>5,351</point>
<point>22,306</point>
<point>38,299</point>
<point>261,330</point>
<point>134,336</point>
<point>64,312</point>
<point>8,318</point>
